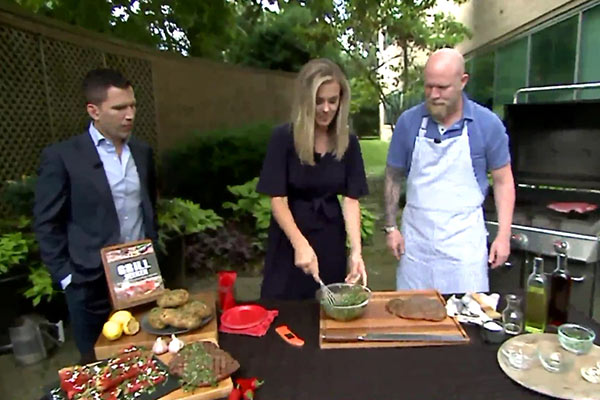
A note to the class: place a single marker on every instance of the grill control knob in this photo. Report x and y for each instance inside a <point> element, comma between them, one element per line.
<point>561,246</point>
<point>519,239</point>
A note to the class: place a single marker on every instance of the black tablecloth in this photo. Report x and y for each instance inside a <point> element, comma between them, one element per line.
<point>437,372</point>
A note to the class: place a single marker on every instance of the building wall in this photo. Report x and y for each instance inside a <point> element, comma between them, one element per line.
<point>495,21</point>
<point>534,43</point>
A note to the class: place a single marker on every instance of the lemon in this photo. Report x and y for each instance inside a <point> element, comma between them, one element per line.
<point>131,327</point>
<point>121,317</point>
<point>112,330</point>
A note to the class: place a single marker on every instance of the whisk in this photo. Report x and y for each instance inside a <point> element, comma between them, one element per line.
<point>328,295</point>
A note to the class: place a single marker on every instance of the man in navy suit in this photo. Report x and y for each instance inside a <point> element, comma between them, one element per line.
<point>94,190</point>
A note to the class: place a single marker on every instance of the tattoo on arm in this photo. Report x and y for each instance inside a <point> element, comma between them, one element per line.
<point>392,186</point>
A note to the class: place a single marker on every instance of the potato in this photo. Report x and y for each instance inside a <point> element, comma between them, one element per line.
<point>198,308</point>
<point>155,319</point>
<point>173,298</point>
<point>180,319</point>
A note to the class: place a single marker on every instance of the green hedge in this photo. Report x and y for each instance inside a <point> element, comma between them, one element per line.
<point>201,168</point>
<point>365,122</point>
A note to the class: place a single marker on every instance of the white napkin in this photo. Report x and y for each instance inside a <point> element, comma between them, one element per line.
<point>467,310</point>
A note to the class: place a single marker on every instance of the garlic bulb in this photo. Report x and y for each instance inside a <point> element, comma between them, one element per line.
<point>175,344</point>
<point>159,347</point>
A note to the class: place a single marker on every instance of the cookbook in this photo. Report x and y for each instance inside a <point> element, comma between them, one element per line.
<point>132,274</point>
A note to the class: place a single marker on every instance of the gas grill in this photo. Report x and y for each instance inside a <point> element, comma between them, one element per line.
<point>555,150</point>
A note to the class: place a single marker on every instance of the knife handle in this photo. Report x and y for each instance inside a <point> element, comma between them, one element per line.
<point>493,314</point>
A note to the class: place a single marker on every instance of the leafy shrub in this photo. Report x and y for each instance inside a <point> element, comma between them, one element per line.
<point>228,247</point>
<point>367,225</point>
<point>365,122</point>
<point>250,203</point>
<point>179,217</point>
<point>18,248</point>
<point>19,195</point>
<point>14,250</point>
<point>41,284</point>
<point>201,167</point>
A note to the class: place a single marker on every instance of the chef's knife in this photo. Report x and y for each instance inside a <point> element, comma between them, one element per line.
<point>393,337</point>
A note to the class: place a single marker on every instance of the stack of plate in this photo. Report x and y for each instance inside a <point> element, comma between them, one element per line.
<point>244,316</point>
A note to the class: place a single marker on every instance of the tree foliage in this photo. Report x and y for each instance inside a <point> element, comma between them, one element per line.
<point>413,26</point>
<point>279,34</point>
<point>191,27</point>
<point>284,40</point>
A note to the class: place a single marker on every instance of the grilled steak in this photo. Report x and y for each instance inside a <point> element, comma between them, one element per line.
<point>202,364</point>
<point>417,307</point>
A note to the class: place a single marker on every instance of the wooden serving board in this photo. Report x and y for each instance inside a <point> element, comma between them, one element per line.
<point>105,348</point>
<point>206,393</point>
<point>564,385</point>
<point>377,320</point>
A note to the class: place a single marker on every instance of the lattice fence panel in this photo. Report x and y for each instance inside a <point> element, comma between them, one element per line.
<point>41,100</point>
<point>66,66</point>
<point>139,73</point>
<point>24,120</point>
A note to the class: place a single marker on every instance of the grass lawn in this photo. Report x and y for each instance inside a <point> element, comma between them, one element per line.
<point>381,265</point>
<point>374,154</point>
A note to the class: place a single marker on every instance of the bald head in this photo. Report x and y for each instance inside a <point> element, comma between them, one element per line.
<point>445,79</point>
<point>446,59</point>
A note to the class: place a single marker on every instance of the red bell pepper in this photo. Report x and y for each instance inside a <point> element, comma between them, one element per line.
<point>249,383</point>
<point>236,394</point>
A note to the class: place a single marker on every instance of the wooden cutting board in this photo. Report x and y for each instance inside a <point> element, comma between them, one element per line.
<point>106,349</point>
<point>377,320</point>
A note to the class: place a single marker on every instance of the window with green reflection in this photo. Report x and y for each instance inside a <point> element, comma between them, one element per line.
<point>468,68</point>
<point>511,74</point>
<point>481,80</point>
<point>589,58</point>
<point>553,59</point>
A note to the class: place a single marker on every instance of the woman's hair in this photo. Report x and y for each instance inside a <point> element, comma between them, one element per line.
<point>312,75</point>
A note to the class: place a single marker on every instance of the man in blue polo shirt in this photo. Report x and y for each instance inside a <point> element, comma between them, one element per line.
<point>445,147</point>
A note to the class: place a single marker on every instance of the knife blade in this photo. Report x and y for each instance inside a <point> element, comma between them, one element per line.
<point>394,337</point>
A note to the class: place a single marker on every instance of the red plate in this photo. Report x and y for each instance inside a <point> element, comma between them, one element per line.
<point>242,317</point>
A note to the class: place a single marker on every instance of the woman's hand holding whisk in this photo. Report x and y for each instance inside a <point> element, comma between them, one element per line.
<point>306,259</point>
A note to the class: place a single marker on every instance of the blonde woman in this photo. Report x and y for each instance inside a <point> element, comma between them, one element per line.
<point>308,164</point>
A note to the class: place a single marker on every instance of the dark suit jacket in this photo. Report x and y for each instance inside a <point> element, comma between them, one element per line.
<point>74,212</point>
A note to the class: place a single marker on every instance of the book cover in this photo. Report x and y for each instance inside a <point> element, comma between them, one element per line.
<point>132,273</point>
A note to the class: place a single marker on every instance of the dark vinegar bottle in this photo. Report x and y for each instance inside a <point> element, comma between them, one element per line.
<point>560,292</point>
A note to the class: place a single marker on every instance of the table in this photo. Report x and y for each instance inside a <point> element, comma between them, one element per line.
<point>449,372</point>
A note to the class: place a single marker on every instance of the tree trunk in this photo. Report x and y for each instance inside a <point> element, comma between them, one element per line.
<point>405,61</point>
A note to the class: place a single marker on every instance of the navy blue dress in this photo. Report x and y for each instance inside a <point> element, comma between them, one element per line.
<point>312,197</point>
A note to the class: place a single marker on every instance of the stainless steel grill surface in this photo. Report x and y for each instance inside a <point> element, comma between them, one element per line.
<point>555,151</point>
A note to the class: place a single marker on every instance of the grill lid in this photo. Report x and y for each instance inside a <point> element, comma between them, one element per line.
<point>555,144</point>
